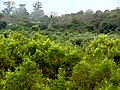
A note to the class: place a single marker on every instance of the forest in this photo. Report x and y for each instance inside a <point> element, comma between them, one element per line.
<point>77,51</point>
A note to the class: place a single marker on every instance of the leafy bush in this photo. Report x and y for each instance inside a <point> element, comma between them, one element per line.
<point>35,28</point>
<point>26,76</point>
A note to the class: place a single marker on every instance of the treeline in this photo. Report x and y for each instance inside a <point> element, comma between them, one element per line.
<point>95,22</point>
<point>88,21</point>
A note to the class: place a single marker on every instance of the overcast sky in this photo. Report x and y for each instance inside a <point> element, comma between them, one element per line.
<point>68,6</point>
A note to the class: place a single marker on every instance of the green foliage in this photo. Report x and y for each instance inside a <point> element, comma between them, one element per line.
<point>98,67</point>
<point>25,77</point>
<point>107,27</point>
<point>105,47</point>
<point>3,25</point>
<point>35,28</point>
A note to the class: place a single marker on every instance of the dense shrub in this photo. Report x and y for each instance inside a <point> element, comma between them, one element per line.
<point>107,27</point>
<point>3,25</point>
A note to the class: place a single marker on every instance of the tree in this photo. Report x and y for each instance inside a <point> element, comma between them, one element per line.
<point>106,27</point>
<point>9,7</point>
<point>37,5</point>
<point>1,16</point>
<point>21,11</point>
<point>98,12</point>
<point>38,12</point>
<point>80,12</point>
<point>89,11</point>
<point>53,14</point>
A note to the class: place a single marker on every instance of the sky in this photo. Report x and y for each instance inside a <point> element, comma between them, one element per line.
<point>67,6</point>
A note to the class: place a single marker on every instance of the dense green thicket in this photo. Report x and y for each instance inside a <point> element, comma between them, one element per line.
<point>34,61</point>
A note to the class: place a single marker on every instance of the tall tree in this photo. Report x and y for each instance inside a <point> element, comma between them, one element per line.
<point>21,11</point>
<point>38,12</point>
<point>37,5</point>
<point>9,7</point>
